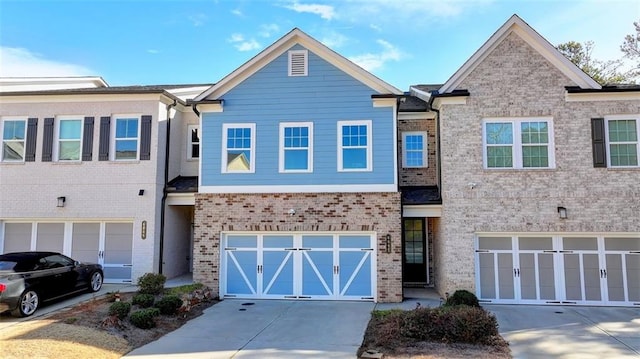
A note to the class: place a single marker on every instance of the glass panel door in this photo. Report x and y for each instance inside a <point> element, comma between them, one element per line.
<point>414,263</point>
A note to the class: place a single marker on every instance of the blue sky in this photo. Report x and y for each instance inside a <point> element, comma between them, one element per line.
<point>140,42</point>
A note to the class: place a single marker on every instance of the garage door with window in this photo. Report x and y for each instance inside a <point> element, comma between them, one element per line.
<point>562,269</point>
<point>298,266</point>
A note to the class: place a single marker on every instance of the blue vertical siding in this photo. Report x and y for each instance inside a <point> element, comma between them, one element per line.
<point>327,95</point>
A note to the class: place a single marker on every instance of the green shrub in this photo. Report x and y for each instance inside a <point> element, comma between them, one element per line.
<point>120,309</point>
<point>462,297</point>
<point>454,324</point>
<point>143,318</point>
<point>143,300</point>
<point>169,304</point>
<point>151,283</point>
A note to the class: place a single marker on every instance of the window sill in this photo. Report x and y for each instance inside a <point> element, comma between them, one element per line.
<point>623,169</point>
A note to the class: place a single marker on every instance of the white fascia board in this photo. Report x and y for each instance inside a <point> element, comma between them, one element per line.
<point>210,107</point>
<point>429,115</point>
<point>295,36</point>
<point>300,188</point>
<point>516,25</point>
<point>423,95</point>
<point>17,84</point>
<point>186,93</point>
<point>453,100</point>
<point>422,211</point>
<point>602,96</point>
<point>123,97</point>
<point>555,233</point>
<point>385,102</point>
<point>181,199</point>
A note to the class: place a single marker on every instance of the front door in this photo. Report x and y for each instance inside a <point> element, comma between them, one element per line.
<point>414,260</point>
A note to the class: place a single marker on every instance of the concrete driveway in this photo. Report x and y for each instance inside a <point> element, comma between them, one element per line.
<point>266,329</point>
<point>569,332</point>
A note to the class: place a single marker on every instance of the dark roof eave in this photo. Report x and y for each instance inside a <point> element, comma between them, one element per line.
<point>205,102</point>
<point>604,89</point>
<point>385,95</point>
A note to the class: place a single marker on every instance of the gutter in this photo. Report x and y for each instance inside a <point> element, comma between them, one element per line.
<point>165,184</point>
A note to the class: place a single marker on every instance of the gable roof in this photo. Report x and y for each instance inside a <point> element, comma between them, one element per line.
<point>516,25</point>
<point>296,36</point>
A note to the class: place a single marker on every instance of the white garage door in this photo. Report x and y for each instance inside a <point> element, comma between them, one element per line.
<point>335,266</point>
<point>564,269</point>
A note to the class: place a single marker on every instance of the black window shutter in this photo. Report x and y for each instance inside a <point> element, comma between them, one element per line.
<point>87,139</point>
<point>105,127</point>
<point>32,133</point>
<point>145,138</point>
<point>598,141</point>
<point>47,140</point>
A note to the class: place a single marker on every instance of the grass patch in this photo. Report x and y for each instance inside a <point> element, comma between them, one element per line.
<point>184,289</point>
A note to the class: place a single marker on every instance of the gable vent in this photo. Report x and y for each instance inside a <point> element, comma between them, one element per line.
<point>298,63</point>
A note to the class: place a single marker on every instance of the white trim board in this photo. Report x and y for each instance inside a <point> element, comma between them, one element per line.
<point>337,188</point>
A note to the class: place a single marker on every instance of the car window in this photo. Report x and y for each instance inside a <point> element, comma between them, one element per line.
<point>57,261</point>
<point>7,265</point>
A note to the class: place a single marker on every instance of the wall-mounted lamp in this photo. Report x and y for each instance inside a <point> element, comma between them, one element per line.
<point>141,192</point>
<point>387,243</point>
<point>563,212</point>
<point>292,212</point>
<point>61,201</point>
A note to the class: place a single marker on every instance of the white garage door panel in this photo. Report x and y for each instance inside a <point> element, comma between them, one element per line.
<point>298,266</point>
<point>564,269</point>
<point>17,237</point>
<point>50,237</point>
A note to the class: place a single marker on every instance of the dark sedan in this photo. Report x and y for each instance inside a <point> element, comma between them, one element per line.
<point>30,278</point>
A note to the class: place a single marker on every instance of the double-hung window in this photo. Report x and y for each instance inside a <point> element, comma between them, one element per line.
<point>518,143</point>
<point>414,149</point>
<point>69,139</point>
<point>622,140</point>
<point>126,139</point>
<point>354,146</point>
<point>193,142</point>
<point>238,148</point>
<point>14,133</point>
<point>296,147</point>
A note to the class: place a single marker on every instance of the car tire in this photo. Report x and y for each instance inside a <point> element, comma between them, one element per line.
<point>28,304</point>
<point>95,281</point>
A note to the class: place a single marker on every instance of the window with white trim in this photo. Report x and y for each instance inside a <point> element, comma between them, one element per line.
<point>525,143</point>
<point>622,140</point>
<point>296,147</point>
<point>238,147</point>
<point>298,62</point>
<point>14,134</point>
<point>69,139</point>
<point>126,142</point>
<point>193,142</point>
<point>354,146</point>
<point>414,149</point>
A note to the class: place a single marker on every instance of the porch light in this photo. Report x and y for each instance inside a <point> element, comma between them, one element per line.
<point>388,243</point>
<point>563,212</point>
<point>61,201</point>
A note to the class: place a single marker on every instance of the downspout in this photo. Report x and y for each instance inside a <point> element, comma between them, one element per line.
<point>166,182</point>
<point>438,137</point>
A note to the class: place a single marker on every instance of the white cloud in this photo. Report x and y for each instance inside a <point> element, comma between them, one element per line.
<point>374,61</point>
<point>334,40</point>
<point>326,12</point>
<point>241,44</point>
<point>267,30</point>
<point>375,27</point>
<point>153,51</point>
<point>237,12</point>
<point>20,62</point>
<point>198,19</point>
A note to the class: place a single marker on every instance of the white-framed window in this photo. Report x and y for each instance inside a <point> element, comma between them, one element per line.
<point>238,147</point>
<point>14,135</point>
<point>126,139</point>
<point>193,142</point>
<point>414,149</point>
<point>68,139</point>
<point>518,143</point>
<point>296,147</point>
<point>623,148</point>
<point>298,62</point>
<point>354,146</point>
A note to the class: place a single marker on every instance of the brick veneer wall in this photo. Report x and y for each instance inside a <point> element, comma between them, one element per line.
<point>379,212</point>
<point>516,81</point>
<point>419,176</point>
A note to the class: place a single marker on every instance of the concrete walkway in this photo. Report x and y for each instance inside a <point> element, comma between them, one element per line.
<point>569,332</point>
<point>266,329</point>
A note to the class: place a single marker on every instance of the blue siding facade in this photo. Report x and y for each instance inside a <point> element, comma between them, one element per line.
<point>327,95</point>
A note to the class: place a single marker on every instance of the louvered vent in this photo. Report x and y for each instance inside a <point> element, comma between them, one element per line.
<point>298,63</point>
